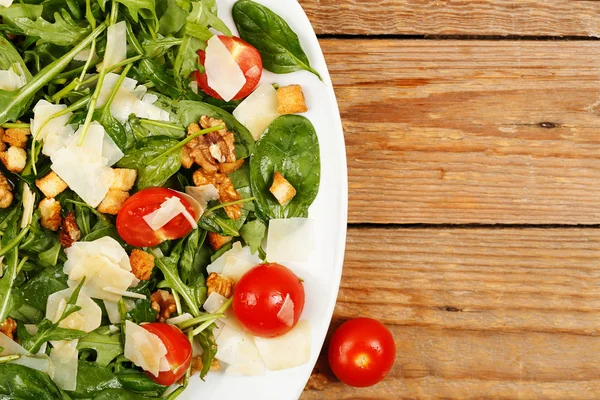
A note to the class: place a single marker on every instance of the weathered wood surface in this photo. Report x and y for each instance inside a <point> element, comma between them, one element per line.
<point>477,313</point>
<point>470,131</point>
<point>455,17</point>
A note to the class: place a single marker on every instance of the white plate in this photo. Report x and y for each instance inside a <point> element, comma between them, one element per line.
<point>329,210</point>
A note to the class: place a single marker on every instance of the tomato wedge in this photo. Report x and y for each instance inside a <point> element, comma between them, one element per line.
<point>135,231</point>
<point>246,56</point>
<point>179,352</point>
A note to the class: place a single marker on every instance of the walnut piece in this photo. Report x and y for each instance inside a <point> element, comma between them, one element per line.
<point>6,196</point>
<point>210,149</point>
<point>163,303</point>
<point>197,365</point>
<point>9,328</point>
<point>142,264</point>
<point>69,232</point>
<point>220,284</point>
<point>227,192</point>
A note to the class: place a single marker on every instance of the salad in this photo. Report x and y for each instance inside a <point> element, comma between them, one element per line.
<point>154,197</point>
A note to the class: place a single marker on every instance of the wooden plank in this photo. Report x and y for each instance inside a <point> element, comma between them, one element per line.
<point>470,131</point>
<point>477,313</point>
<point>455,17</point>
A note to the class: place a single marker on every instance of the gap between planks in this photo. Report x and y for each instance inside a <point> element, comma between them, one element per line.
<point>460,37</point>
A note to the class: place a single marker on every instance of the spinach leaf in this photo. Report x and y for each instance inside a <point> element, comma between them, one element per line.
<point>37,289</point>
<point>9,56</point>
<point>19,382</point>
<point>218,222</point>
<point>192,264</point>
<point>142,310</point>
<point>148,70</point>
<point>253,233</point>
<point>146,128</point>
<point>291,147</point>
<point>93,379</point>
<point>64,31</point>
<point>107,347</point>
<point>113,128</point>
<point>139,382</point>
<point>277,43</point>
<point>152,165</point>
<point>190,111</point>
<point>172,19</point>
<point>15,103</point>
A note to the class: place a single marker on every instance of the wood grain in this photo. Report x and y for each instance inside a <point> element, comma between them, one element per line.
<point>470,131</point>
<point>477,313</point>
<point>455,17</point>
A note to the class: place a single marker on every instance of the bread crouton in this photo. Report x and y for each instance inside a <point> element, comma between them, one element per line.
<point>113,201</point>
<point>16,137</point>
<point>51,185</point>
<point>69,232</point>
<point>291,100</point>
<point>2,144</point>
<point>283,191</point>
<point>217,241</point>
<point>142,264</point>
<point>50,213</point>
<point>6,196</point>
<point>123,179</point>
<point>14,159</point>
<point>230,167</point>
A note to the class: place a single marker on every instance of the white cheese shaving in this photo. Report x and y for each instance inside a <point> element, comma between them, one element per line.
<point>11,79</point>
<point>213,302</point>
<point>168,210</point>
<point>258,110</point>
<point>55,132</point>
<point>6,3</point>
<point>116,44</point>
<point>28,204</point>
<point>223,73</point>
<point>144,349</point>
<point>65,373</point>
<point>40,363</point>
<point>290,240</point>
<point>83,55</point>
<point>235,262</point>
<point>236,347</point>
<point>286,313</point>
<point>218,265</point>
<point>104,263</point>
<point>88,318</point>
<point>286,351</point>
<point>83,167</point>
<point>124,293</point>
<point>112,309</point>
<point>10,347</point>
<point>179,319</point>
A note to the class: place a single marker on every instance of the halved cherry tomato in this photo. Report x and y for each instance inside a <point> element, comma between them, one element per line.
<point>246,56</point>
<point>260,296</point>
<point>362,352</point>
<point>135,231</point>
<point>179,352</point>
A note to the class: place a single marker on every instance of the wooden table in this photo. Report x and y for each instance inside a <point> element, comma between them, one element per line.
<point>473,138</point>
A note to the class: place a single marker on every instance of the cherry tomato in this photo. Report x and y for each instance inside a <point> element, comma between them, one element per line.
<point>135,231</point>
<point>247,57</point>
<point>179,352</point>
<point>259,297</point>
<point>361,352</point>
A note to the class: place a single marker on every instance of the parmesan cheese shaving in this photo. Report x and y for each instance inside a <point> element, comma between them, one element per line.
<point>286,351</point>
<point>286,313</point>
<point>223,73</point>
<point>124,293</point>
<point>258,110</point>
<point>28,204</point>
<point>11,80</point>
<point>168,210</point>
<point>143,348</point>
<point>290,240</point>
<point>116,44</point>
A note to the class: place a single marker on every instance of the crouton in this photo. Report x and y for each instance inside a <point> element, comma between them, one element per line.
<point>2,145</point>
<point>228,168</point>
<point>123,179</point>
<point>51,185</point>
<point>220,284</point>
<point>282,189</point>
<point>16,137</point>
<point>142,264</point>
<point>291,100</point>
<point>50,213</point>
<point>69,232</point>
<point>14,159</point>
<point>217,241</point>
<point>6,196</point>
<point>113,201</point>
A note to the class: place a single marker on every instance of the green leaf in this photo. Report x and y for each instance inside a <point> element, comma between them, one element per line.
<point>14,104</point>
<point>107,347</point>
<point>277,43</point>
<point>253,233</point>
<point>7,282</point>
<point>37,289</point>
<point>291,147</point>
<point>152,166</point>
<point>206,339</point>
<point>145,8</point>
<point>191,111</point>
<point>19,382</point>
<point>148,70</point>
<point>64,31</point>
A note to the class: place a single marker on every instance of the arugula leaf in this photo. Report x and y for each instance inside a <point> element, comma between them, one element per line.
<point>277,43</point>
<point>9,56</point>
<point>207,341</point>
<point>145,8</point>
<point>253,233</point>
<point>147,157</point>
<point>19,382</point>
<point>7,282</point>
<point>63,32</point>
<point>16,103</point>
<point>291,147</point>
<point>107,347</point>
<point>148,70</point>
